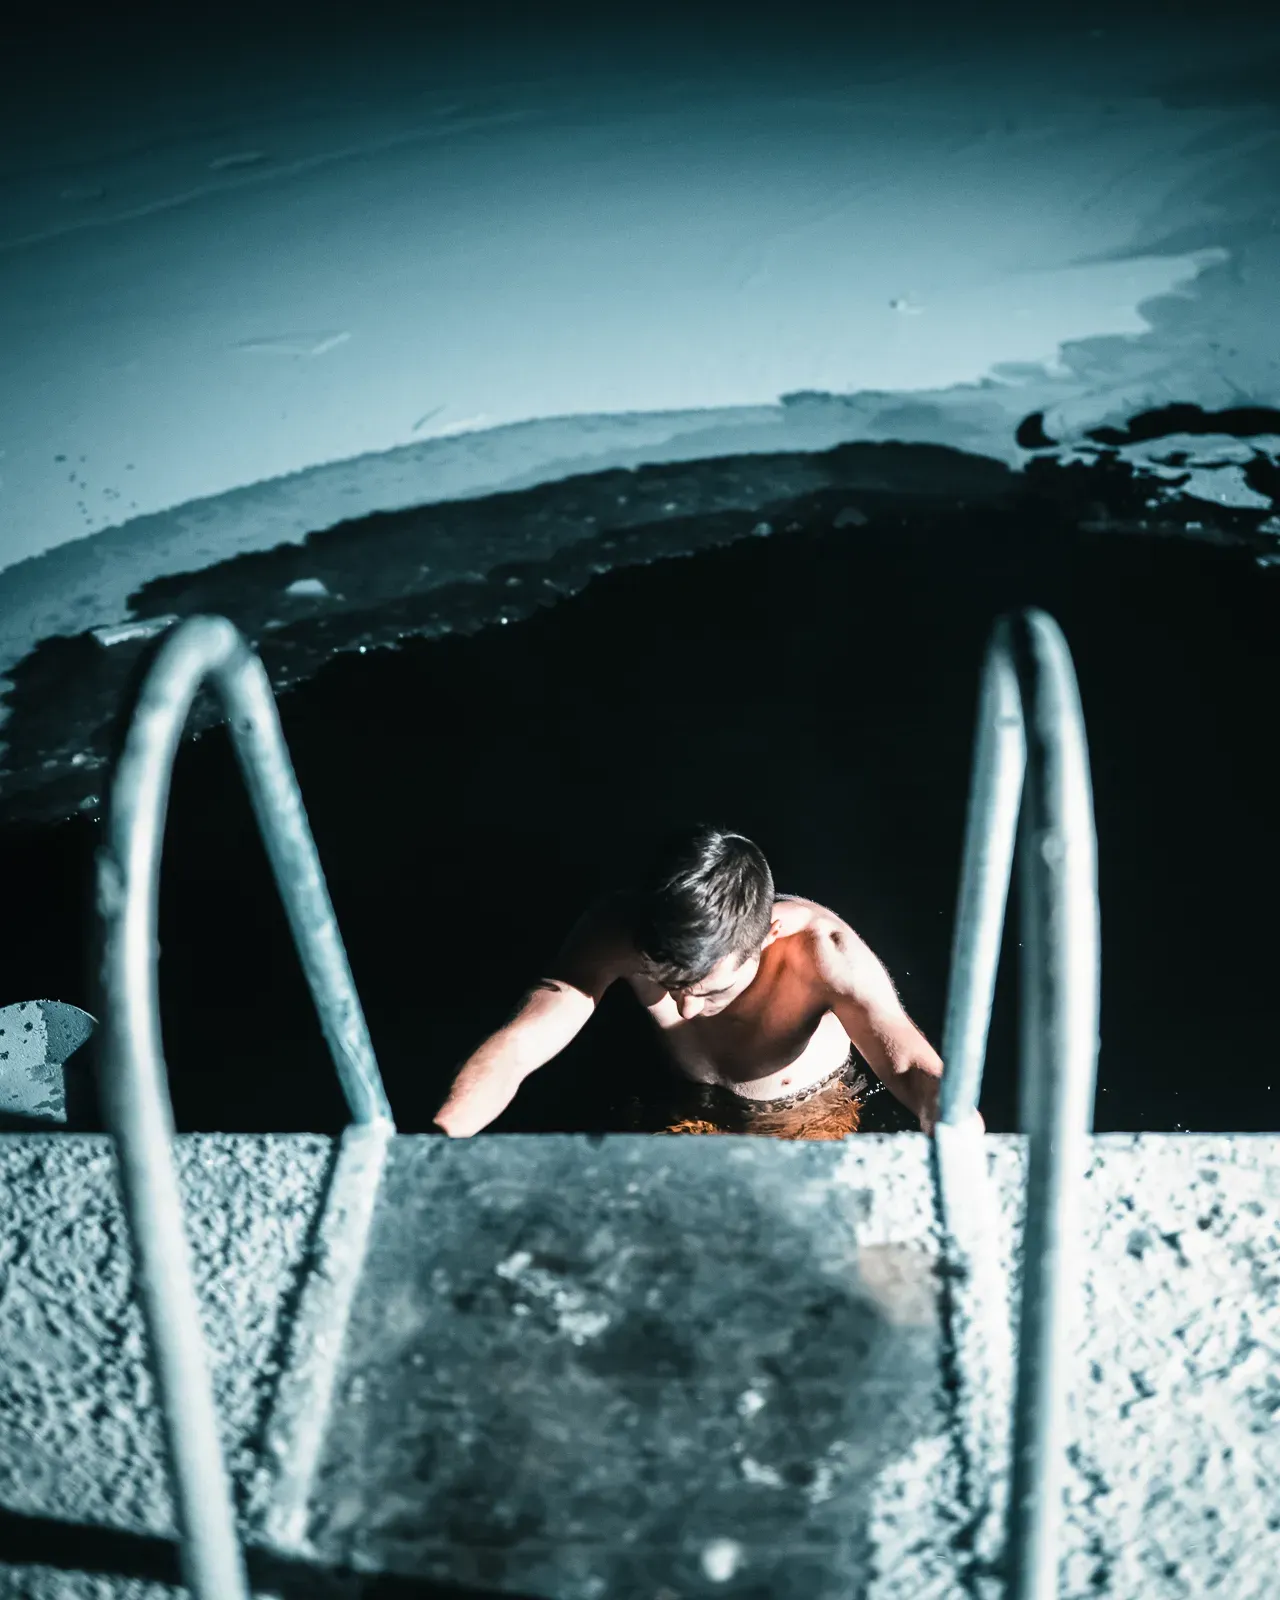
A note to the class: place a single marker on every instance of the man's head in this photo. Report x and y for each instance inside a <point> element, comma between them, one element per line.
<point>702,917</point>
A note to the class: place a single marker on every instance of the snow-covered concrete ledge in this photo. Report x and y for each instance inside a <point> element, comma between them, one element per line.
<point>1173,1458</point>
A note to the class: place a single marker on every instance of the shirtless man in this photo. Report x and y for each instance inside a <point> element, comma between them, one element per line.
<point>761,998</point>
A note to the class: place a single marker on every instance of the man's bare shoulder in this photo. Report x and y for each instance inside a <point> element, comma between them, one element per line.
<point>832,948</point>
<point>795,914</point>
<point>796,911</point>
<point>598,949</point>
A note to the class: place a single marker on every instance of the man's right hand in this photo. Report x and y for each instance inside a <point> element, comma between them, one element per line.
<point>556,1009</point>
<point>549,1017</point>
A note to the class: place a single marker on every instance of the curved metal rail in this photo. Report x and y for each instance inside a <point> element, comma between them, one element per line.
<point>1030,721</point>
<point>134,1075</point>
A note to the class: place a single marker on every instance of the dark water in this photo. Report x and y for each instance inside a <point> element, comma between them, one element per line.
<point>815,690</point>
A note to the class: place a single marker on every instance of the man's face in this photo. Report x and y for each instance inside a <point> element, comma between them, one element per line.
<point>721,986</point>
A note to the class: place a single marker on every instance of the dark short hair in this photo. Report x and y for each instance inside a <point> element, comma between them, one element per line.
<point>705,894</point>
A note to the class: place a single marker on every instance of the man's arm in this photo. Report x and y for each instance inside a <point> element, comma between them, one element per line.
<point>553,1012</point>
<point>863,997</point>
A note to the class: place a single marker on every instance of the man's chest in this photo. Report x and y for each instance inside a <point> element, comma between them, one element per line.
<point>768,1026</point>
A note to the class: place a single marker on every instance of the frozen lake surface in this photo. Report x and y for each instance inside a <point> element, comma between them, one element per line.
<point>291,269</point>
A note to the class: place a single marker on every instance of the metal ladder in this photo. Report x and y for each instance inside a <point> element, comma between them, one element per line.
<point>1029,722</point>
<point>1029,725</point>
<point>134,1076</point>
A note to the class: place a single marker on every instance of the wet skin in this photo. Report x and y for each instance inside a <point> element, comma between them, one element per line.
<point>762,1026</point>
<point>769,1025</point>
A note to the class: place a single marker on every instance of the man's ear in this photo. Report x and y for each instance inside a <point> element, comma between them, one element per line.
<point>775,928</point>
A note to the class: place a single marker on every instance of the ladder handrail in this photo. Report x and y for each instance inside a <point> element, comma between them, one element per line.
<point>133,1072</point>
<point>1030,721</point>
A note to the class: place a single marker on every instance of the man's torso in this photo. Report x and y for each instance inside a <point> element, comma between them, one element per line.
<point>776,1038</point>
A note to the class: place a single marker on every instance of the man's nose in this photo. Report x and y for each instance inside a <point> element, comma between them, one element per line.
<point>689,1005</point>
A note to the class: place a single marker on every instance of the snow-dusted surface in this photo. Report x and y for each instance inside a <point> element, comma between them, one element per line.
<point>1173,1461</point>
<point>79,1438</point>
<point>287,264</point>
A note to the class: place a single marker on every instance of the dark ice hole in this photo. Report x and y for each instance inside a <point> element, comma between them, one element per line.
<point>815,689</point>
